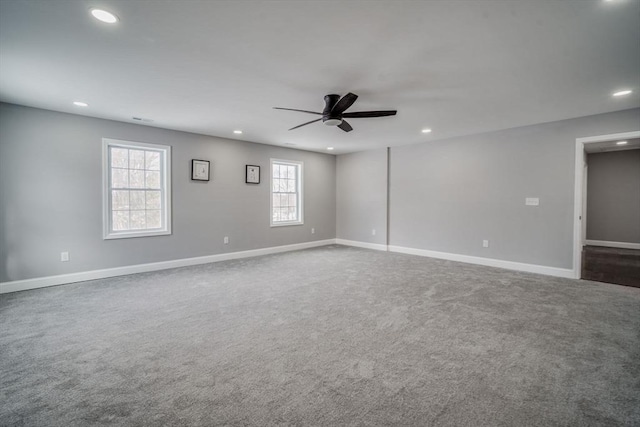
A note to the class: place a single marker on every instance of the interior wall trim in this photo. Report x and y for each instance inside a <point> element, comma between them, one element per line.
<point>365,245</point>
<point>621,245</point>
<point>63,279</point>
<point>490,262</point>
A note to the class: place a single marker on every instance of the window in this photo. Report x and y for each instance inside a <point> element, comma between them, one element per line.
<point>137,191</point>
<point>286,192</point>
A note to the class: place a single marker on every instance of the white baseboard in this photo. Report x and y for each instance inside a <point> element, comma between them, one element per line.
<point>509,265</point>
<point>621,245</point>
<point>41,282</point>
<point>491,262</point>
<point>365,245</point>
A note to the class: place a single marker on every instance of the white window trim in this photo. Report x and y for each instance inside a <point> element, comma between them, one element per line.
<point>106,200</point>
<point>300,220</point>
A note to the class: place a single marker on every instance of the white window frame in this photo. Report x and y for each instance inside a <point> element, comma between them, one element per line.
<point>299,182</point>
<point>165,180</point>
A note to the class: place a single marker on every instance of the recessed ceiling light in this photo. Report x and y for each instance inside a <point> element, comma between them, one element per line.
<point>80,104</point>
<point>237,131</point>
<point>622,92</point>
<point>426,130</point>
<point>104,16</point>
<point>329,148</point>
<point>621,143</point>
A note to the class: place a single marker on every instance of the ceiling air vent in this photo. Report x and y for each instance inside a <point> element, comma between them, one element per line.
<point>141,119</point>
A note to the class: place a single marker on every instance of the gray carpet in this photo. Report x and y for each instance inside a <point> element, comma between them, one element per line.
<point>326,336</point>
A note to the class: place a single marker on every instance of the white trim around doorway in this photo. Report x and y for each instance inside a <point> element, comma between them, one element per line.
<point>578,236</point>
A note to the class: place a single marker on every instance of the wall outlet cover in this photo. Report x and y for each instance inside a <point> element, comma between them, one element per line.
<point>64,256</point>
<point>485,243</point>
<point>226,239</point>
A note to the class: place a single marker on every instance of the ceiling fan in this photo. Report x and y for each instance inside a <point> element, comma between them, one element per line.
<point>334,112</point>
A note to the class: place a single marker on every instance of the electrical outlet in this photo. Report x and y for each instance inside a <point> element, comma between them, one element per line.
<point>485,243</point>
<point>313,231</point>
<point>226,240</point>
<point>64,256</point>
<point>373,232</point>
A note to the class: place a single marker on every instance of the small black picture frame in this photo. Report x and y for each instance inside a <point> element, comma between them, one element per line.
<point>252,174</point>
<point>199,170</point>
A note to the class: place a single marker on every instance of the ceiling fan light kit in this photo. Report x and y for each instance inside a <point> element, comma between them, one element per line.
<point>334,112</point>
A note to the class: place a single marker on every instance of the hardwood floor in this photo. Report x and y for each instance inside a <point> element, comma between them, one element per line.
<point>611,265</point>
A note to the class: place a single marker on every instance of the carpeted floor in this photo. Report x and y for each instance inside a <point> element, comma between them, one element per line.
<point>323,337</point>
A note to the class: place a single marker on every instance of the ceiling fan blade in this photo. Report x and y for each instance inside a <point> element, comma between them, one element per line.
<point>293,109</point>
<point>370,113</point>
<point>345,126</point>
<point>346,102</point>
<point>304,124</point>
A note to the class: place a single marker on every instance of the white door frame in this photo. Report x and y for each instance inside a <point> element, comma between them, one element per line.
<point>579,216</point>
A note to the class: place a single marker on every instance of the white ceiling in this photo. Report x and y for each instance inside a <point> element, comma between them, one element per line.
<point>456,66</point>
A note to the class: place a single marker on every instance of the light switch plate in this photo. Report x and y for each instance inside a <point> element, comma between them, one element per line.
<point>532,201</point>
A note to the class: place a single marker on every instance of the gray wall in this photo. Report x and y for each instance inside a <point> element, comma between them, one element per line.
<point>449,195</point>
<point>613,196</point>
<point>51,196</point>
<point>361,204</point>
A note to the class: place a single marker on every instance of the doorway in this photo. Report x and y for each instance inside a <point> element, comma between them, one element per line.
<point>604,250</point>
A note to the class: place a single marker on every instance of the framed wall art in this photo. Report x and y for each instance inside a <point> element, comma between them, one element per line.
<point>199,170</point>
<point>252,174</point>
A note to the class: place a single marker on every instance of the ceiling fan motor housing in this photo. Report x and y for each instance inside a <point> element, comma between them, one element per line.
<point>327,118</point>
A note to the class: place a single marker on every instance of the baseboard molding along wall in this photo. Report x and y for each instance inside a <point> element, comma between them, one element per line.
<point>365,245</point>
<point>41,282</point>
<point>621,245</point>
<point>490,262</point>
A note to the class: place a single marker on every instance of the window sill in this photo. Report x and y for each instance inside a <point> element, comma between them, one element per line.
<point>132,234</point>
<point>286,224</point>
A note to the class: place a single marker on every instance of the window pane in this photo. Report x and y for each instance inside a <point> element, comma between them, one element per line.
<point>137,200</point>
<point>283,214</point>
<point>152,160</point>
<point>136,189</point>
<point>119,200</point>
<point>285,197</point>
<point>153,199</point>
<point>120,220</point>
<point>137,220</point>
<point>119,157</point>
<point>136,159</point>
<point>119,178</point>
<point>136,179</point>
<point>152,179</point>
<point>153,219</point>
